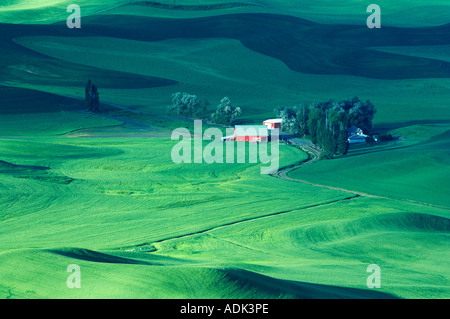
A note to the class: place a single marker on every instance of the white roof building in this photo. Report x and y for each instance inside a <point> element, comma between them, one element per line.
<point>356,135</point>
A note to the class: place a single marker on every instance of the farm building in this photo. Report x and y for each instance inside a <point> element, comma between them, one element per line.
<point>356,135</point>
<point>251,133</point>
<point>229,138</point>
<point>273,124</point>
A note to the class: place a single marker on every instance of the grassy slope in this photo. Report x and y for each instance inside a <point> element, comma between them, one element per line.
<point>163,204</point>
<point>196,229</point>
<point>44,11</point>
<point>416,169</point>
<point>194,64</point>
<point>151,277</point>
<point>319,245</point>
<point>104,175</point>
<point>32,113</point>
<point>402,12</point>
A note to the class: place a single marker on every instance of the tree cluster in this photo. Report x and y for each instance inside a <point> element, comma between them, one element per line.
<point>385,137</point>
<point>226,113</point>
<point>326,123</point>
<point>92,97</point>
<point>189,105</point>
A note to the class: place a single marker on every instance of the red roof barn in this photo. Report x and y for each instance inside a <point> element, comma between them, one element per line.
<point>273,124</point>
<point>251,133</point>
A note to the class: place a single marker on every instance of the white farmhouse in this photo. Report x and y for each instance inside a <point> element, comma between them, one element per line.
<point>356,135</point>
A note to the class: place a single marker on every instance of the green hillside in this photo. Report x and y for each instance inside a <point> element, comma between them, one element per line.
<point>398,13</point>
<point>211,66</point>
<point>114,217</point>
<point>415,169</point>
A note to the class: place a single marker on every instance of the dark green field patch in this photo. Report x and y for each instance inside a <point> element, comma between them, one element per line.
<point>21,65</point>
<point>6,167</point>
<point>192,7</point>
<point>304,46</point>
<point>93,256</point>
<point>21,101</point>
<point>38,173</point>
<point>63,73</point>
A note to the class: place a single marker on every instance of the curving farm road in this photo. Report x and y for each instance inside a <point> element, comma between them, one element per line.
<point>314,154</point>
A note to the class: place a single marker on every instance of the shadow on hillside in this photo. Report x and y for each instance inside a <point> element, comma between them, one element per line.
<point>299,290</point>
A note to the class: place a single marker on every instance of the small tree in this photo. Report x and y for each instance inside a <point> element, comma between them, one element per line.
<point>226,113</point>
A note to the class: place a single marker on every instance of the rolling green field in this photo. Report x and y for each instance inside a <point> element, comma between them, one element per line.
<point>101,191</point>
<point>414,169</point>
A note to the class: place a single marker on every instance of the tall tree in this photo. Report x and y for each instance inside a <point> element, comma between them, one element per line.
<point>95,99</point>
<point>326,123</point>
<point>92,98</point>
<point>314,123</point>
<point>87,95</point>
<point>342,141</point>
<point>302,119</point>
<point>187,105</point>
<point>289,117</point>
<point>360,114</point>
<point>226,113</point>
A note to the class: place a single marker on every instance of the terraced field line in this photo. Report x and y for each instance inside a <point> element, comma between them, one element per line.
<point>248,219</point>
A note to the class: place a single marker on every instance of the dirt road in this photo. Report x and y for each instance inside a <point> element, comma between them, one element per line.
<point>314,155</point>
